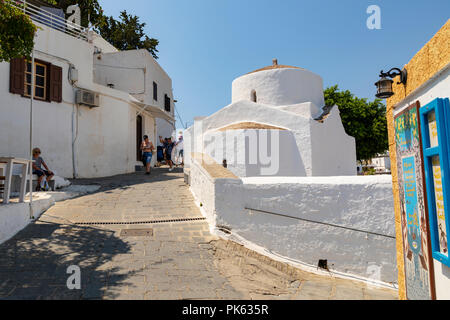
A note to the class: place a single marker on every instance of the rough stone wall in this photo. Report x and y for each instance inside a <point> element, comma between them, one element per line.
<point>432,58</point>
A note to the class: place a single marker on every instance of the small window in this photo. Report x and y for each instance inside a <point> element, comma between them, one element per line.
<point>254,98</point>
<point>40,86</point>
<point>167,103</point>
<point>155,91</point>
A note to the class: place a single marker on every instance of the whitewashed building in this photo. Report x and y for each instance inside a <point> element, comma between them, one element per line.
<point>278,111</point>
<point>139,74</point>
<point>84,127</point>
<point>382,163</point>
<point>290,187</point>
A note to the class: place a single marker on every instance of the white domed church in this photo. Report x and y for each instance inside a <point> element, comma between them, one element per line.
<point>276,125</point>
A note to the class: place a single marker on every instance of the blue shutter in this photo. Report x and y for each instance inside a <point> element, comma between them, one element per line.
<point>437,181</point>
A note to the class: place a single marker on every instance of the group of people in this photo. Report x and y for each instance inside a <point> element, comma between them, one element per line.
<point>166,148</point>
<point>45,175</point>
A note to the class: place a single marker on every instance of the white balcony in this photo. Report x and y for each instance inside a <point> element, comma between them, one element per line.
<point>50,19</point>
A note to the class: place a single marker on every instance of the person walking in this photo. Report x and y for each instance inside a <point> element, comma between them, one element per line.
<point>168,146</point>
<point>180,149</point>
<point>147,148</point>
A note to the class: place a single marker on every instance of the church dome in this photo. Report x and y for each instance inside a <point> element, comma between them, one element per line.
<point>274,66</point>
<point>279,85</point>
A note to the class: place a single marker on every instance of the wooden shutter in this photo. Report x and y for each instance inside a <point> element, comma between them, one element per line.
<point>17,76</point>
<point>55,83</point>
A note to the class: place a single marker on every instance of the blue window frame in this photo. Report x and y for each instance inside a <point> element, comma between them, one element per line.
<point>435,123</point>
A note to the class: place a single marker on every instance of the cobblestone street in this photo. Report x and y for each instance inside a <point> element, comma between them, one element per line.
<point>173,257</point>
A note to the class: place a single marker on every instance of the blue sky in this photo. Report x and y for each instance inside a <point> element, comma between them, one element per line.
<point>206,44</point>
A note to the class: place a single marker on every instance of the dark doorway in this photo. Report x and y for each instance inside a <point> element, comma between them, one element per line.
<point>139,133</point>
<point>254,97</point>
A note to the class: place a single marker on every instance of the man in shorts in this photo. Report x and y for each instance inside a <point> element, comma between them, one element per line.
<point>38,162</point>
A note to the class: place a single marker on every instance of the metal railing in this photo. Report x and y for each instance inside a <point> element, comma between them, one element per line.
<point>51,20</point>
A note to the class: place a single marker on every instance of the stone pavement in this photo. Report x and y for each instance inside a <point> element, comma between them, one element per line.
<point>175,258</point>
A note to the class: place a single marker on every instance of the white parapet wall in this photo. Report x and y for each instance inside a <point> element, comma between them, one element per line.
<point>14,216</point>
<point>348,221</point>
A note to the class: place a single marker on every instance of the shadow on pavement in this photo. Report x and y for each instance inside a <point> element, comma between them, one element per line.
<point>125,181</point>
<point>33,265</point>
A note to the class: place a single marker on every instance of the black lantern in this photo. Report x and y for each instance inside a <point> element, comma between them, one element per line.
<point>384,86</point>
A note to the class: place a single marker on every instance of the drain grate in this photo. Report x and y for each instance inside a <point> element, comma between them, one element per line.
<point>140,222</point>
<point>136,233</point>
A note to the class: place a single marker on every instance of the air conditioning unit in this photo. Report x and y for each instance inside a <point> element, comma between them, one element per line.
<point>88,98</point>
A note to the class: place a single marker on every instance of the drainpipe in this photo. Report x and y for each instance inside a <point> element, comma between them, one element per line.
<point>72,81</point>
<point>156,141</point>
<point>74,139</point>
<point>33,70</point>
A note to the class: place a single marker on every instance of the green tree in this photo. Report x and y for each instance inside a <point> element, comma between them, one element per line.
<point>127,34</point>
<point>363,120</point>
<point>16,33</point>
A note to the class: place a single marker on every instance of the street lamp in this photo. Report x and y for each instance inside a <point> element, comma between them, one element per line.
<point>384,86</point>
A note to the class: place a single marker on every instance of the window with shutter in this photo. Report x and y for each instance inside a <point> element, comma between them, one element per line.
<point>17,75</point>
<point>41,82</point>
<point>47,84</point>
<point>55,83</point>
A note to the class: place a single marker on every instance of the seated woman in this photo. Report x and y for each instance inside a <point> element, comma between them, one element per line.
<point>38,162</point>
<point>147,149</point>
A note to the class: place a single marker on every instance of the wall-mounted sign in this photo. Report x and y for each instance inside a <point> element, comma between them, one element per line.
<point>411,183</point>
<point>440,206</point>
<point>436,139</point>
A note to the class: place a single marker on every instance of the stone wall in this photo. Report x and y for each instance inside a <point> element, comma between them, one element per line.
<point>346,220</point>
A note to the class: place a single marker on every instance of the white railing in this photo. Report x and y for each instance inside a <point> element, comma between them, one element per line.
<point>51,20</point>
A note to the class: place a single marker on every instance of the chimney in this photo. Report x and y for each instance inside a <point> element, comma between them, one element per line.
<point>275,62</point>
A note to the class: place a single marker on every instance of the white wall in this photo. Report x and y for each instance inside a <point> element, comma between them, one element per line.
<point>150,124</point>
<point>252,153</point>
<point>165,128</point>
<point>103,143</point>
<point>280,87</point>
<point>243,111</point>
<point>52,121</point>
<point>360,203</point>
<point>319,149</point>
<point>134,71</point>
<point>333,151</point>
<point>439,87</point>
<point>203,188</point>
<point>15,217</point>
<point>102,44</point>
